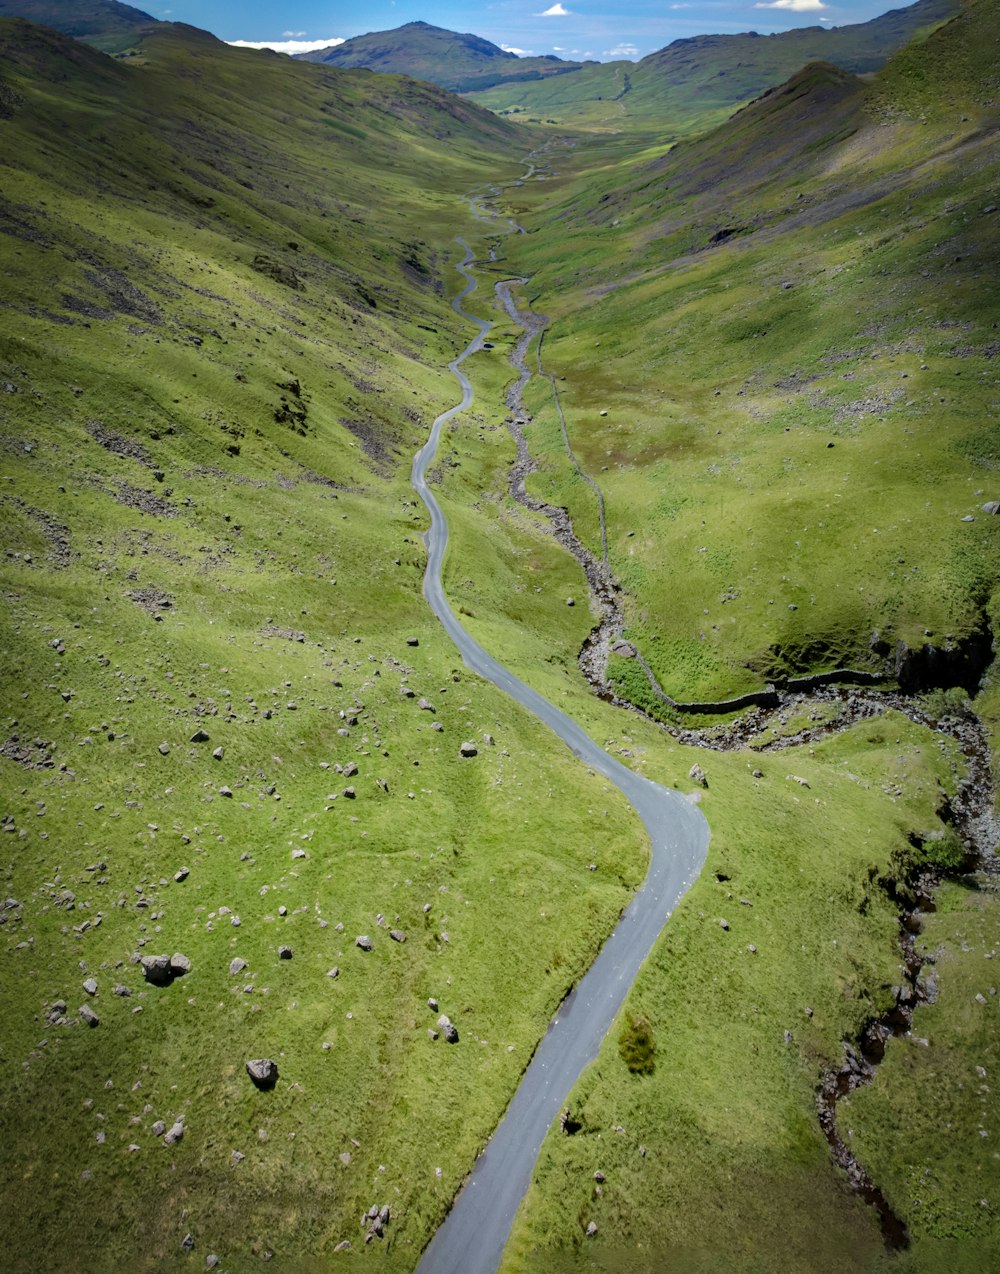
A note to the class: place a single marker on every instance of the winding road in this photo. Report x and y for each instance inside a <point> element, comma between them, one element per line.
<point>473,1236</point>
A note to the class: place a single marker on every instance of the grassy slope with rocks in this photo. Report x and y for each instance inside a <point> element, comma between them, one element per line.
<point>701,1158</point>
<point>224,328</point>
<point>694,82</point>
<point>290,435</point>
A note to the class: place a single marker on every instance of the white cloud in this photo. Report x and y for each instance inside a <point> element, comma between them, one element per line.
<point>622,51</point>
<point>556,11</point>
<point>521,53</point>
<point>795,6</point>
<point>288,46</point>
<point>680,6</point>
<point>292,35</point>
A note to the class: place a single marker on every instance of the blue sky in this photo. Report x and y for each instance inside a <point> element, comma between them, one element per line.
<point>570,28</point>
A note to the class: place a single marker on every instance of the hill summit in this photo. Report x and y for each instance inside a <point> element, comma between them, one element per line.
<point>462,63</point>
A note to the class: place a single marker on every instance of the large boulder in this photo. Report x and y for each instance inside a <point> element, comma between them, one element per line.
<point>263,1071</point>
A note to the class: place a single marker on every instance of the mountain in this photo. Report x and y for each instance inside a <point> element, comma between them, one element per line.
<point>696,80</point>
<point>106,24</point>
<point>461,63</point>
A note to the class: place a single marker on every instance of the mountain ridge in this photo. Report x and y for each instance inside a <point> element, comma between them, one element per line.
<point>456,61</point>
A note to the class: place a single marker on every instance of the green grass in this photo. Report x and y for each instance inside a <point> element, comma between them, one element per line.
<point>225,327</point>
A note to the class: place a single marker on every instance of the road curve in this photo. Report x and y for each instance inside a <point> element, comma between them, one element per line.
<point>473,1236</point>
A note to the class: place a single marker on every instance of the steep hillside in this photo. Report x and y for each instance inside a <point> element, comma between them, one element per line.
<point>693,82</point>
<point>457,62</point>
<point>224,330</point>
<point>814,272</point>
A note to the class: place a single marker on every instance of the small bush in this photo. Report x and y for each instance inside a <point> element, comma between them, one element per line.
<point>637,1046</point>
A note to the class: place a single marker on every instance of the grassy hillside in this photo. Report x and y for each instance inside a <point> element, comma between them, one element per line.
<point>789,323</point>
<point>795,454</point>
<point>461,63</point>
<point>105,24</point>
<point>231,726</point>
<point>225,319</point>
<point>692,83</point>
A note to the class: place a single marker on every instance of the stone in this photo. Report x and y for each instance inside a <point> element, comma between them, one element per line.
<point>90,986</point>
<point>174,1133</point>
<point>236,965</point>
<point>432,1004</point>
<point>218,753</point>
<point>992,507</point>
<point>89,1016</point>
<point>123,991</point>
<point>570,601</point>
<point>350,769</point>
<point>413,641</point>
<point>599,1177</point>
<point>724,924</point>
<point>225,791</point>
<point>164,748</point>
<point>591,1229</point>
<point>159,1128</point>
<point>211,1261</point>
<point>263,1071</point>
<point>343,1246</point>
<point>364,942</point>
<point>156,969</point>
<point>298,853</point>
<point>284,953</point>
<point>179,965</point>
<point>182,874</point>
<point>447,1028</point>
<point>350,793</point>
<point>468,748</point>
<point>200,736</point>
<point>334,972</point>
<point>187,1242</point>
<point>397,935</point>
<point>697,775</point>
<point>426,705</point>
<point>236,1158</point>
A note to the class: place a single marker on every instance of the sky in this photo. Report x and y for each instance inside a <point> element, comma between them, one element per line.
<point>572,29</point>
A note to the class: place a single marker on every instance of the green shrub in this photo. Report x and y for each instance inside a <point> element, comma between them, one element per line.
<point>637,1046</point>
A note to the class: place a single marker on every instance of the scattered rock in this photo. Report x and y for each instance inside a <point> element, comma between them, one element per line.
<point>795,778</point>
<point>334,972</point>
<point>236,965</point>
<point>123,991</point>
<point>90,986</point>
<point>350,769</point>
<point>200,736</point>
<point>263,1071</point>
<point>182,874</point>
<point>697,775</point>
<point>591,1229</point>
<point>164,748</point>
<point>413,641</point>
<point>992,507</point>
<point>364,942</point>
<point>225,791</point>
<point>432,1004</point>
<point>298,853</point>
<point>397,935</point>
<point>89,1016</point>
<point>174,1133</point>
<point>179,965</point>
<point>599,1177</point>
<point>426,705</point>
<point>218,753</point>
<point>724,924</point>
<point>159,1128</point>
<point>570,601</point>
<point>156,969</point>
<point>468,748</point>
<point>284,953</point>
<point>447,1029</point>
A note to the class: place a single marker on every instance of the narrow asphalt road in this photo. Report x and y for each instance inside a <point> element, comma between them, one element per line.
<point>473,1236</point>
